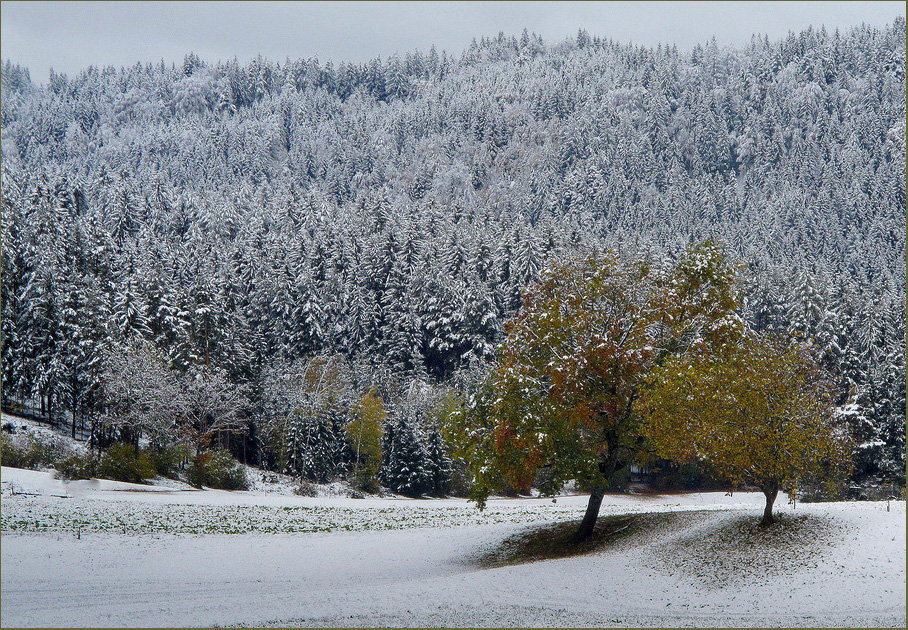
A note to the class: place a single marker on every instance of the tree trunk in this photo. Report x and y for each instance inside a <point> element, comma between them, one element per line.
<point>356,465</point>
<point>771,490</point>
<point>585,531</point>
<point>608,465</point>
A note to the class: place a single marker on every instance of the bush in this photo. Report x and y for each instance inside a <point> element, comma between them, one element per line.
<point>10,454</point>
<point>119,462</point>
<point>170,460</point>
<point>366,481</point>
<point>305,489</point>
<point>77,466</point>
<point>217,469</point>
<point>35,453</point>
<point>670,476</point>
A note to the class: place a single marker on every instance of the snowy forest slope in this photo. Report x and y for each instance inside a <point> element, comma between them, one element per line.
<point>248,217</point>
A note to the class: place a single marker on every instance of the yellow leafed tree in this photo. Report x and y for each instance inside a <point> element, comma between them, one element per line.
<point>760,411</point>
<point>364,435</point>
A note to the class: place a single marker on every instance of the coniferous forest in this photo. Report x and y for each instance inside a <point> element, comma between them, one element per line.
<point>301,260</point>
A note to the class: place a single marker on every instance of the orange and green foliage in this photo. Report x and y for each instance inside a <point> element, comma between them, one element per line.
<point>568,374</point>
<point>759,410</point>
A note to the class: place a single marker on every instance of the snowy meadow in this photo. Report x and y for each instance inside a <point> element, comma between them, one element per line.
<point>104,553</point>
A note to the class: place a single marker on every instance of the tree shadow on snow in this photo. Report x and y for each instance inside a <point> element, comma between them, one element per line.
<point>736,549</point>
<point>717,548</point>
<point>553,540</point>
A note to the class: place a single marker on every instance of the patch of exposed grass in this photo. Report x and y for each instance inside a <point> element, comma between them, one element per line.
<point>80,515</point>
<point>552,541</point>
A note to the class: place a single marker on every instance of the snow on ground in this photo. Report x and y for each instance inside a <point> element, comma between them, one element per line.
<point>31,503</point>
<point>337,561</point>
<point>24,428</point>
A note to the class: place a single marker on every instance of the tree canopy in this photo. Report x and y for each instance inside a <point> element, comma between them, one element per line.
<point>572,364</point>
<point>758,410</point>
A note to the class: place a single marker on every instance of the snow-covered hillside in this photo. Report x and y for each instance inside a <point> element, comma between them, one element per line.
<point>417,562</point>
<point>222,229</point>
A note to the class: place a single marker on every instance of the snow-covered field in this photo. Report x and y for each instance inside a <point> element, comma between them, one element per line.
<point>104,553</point>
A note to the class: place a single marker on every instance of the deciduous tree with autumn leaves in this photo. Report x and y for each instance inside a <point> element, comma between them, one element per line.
<point>364,434</point>
<point>612,360</point>
<point>571,368</point>
<point>759,410</point>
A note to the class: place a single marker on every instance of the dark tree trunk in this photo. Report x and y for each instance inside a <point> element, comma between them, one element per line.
<point>608,466</point>
<point>771,490</point>
<point>585,531</point>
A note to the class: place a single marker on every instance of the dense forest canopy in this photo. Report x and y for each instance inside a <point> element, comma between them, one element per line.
<point>386,217</point>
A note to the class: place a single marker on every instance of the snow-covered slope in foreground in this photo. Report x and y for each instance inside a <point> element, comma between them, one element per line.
<point>848,568</point>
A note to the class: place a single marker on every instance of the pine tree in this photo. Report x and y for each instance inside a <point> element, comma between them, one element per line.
<point>311,447</point>
<point>408,467</point>
<point>441,465</point>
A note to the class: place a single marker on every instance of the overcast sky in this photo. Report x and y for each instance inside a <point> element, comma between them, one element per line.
<point>69,36</point>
